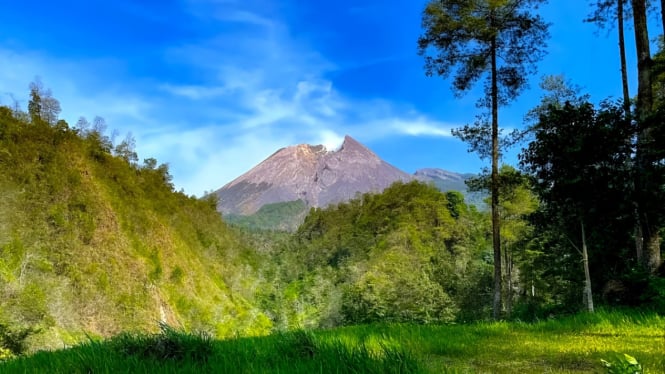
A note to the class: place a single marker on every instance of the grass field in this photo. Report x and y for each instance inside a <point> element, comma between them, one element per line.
<point>570,345</point>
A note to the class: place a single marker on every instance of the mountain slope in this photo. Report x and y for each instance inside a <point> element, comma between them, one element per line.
<point>92,243</point>
<point>311,174</point>
<point>450,181</point>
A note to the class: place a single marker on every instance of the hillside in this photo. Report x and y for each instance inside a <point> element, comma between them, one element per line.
<point>93,243</point>
<point>408,254</point>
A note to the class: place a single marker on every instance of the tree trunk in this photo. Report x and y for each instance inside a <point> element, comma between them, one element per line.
<point>496,233</point>
<point>662,14</point>
<point>651,259</point>
<point>508,263</point>
<point>588,295</point>
<point>644,91</point>
<point>622,55</point>
<point>639,238</point>
<point>626,108</point>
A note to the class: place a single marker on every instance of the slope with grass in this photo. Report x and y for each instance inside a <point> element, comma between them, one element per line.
<point>571,345</point>
<point>93,243</point>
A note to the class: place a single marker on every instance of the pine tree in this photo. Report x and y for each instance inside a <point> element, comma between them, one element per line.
<point>499,39</point>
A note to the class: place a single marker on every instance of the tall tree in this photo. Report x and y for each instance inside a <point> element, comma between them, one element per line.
<point>557,92</point>
<point>517,200</point>
<point>35,103</point>
<point>644,81</point>
<point>42,105</point>
<point>578,161</point>
<point>499,39</point>
<point>607,12</point>
<point>662,15</point>
<point>644,181</point>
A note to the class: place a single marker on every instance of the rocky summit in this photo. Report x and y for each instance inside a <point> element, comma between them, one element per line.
<point>313,174</point>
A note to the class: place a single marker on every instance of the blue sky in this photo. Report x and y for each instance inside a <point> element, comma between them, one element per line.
<point>212,87</point>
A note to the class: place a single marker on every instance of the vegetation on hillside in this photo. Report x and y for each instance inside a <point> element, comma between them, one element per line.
<point>92,242</point>
<point>409,254</point>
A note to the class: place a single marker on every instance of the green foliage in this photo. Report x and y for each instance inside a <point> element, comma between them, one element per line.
<point>625,364</point>
<point>580,160</point>
<point>654,294</point>
<point>395,256</point>
<point>386,293</point>
<point>466,34</point>
<point>13,341</point>
<point>94,242</point>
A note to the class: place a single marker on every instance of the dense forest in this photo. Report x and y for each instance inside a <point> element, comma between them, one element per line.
<point>93,242</point>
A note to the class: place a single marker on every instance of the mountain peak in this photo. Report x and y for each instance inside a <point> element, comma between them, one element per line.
<point>312,174</point>
<point>352,144</point>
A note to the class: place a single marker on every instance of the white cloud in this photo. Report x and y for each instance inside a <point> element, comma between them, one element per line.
<point>193,92</point>
<point>421,127</point>
<point>263,90</point>
<point>330,139</point>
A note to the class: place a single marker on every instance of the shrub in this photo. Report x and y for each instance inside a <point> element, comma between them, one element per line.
<point>13,342</point>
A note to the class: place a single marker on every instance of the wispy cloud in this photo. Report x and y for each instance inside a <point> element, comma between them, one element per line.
<point>248,91</point>
<point>421,127</point>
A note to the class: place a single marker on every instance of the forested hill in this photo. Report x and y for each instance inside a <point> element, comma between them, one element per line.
<point>408,254</point>
<point>92,242</point>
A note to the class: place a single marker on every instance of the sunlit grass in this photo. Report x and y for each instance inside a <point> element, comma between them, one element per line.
<point>569,345</point>
<point>574,344</point>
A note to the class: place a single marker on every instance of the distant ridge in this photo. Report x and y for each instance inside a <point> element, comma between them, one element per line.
<point>450,181</point>
<point>309,173</point>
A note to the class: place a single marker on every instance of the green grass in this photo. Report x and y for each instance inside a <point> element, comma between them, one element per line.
<point>177,352</point>
<point>570,345</point>
<point>574,344</point>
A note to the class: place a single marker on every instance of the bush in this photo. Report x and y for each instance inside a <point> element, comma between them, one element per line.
<point>654,295</point>
<point>13,342</point>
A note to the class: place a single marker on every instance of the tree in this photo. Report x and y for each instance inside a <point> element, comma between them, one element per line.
<point>605,13</point>
<point>662,14</point>
<point>127,149</point>
<point>82,125</point>
<point>517,200</point>
<point>501,39</point>
<point>42,105</point>
<point>558,92</point>
<point>35,103</point>
<point>644,174</point>
<point>579,164</point>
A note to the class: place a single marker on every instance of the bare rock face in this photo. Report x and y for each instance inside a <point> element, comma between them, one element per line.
<point>310,173</point>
